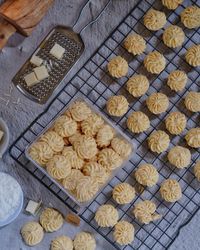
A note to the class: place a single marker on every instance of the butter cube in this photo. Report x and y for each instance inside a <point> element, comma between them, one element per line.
<point>1,135</point>
<point>31,79</point>
<point>57,51</point>
<point>32,207</point>
<point>41,73</point>
<point>36,60</point>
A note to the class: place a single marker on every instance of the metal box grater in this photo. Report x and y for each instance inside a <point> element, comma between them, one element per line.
<point>74,47</point>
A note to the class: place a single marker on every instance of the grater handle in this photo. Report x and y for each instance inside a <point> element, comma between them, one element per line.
<point>92,21</point>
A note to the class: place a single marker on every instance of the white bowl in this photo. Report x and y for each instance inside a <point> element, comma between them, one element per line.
<point>5,140</point>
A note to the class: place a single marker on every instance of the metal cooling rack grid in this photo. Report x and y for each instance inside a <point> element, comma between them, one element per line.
<point>93,81</point>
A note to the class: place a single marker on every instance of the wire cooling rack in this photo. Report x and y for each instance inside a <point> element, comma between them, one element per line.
<point>94,82</point>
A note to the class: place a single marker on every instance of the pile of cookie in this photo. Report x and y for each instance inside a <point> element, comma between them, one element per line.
<point>51,221</point>
<point>81,151</point>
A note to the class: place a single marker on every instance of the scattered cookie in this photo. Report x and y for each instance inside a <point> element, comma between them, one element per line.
<point>176,123</point>
<point>32,233</point>
<point>41,152</point>
<point>193,138</point>
<point>192,101</point>
<point>137,85</point>
<point>144,212</point>
<point>171,190</point>
<point>135,44</point>
<point>79,111</point>
<point>121,147</point>
<point>106,216</point>
<point>85,147</point>
<point>179,156</point>
<point>155,62</point>
<point>62,243</point>
<point>158,141</point>
<point>123,193</point>
<point>73,160</point>
<point>109,159</point>
<point>92,124</point>
<point>118,67</point>
<point>84,241</point>
<point>117,105</point>
<point>51,220</point>
<point>54,140</point>
<point>157,103</point>
<point>190,17</point>
<point>65,126</point>
<point>58,167</point>
<point>147,175</point>
<point>104,136</point>
<point>177,80</point>
<point>86,188</point>
<point>172,4</point>
<point>138,122</point>
<point>154,20</point>
<point>124,233</point>
<point>197,170</point>
<point>173,36</point>
<point>193,55</point>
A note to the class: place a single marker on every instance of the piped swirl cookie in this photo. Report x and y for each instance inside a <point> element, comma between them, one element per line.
<point>54,140</point>
<point>157,103</point>
<point>177,80</point>
<point>135,44</point>
<point>173,36</point>
<point>118,67</point>
<point>109,159</point>
<point>72,157</point>
<point>84,241</point>
<point>65,126</point>
<point>190,17</point>
<point>106,216</point>
<point>176,122</point>
<point>172,4</point>
<point>154,20</point>
<point>123,193</point>
<point>32,233</point>
<point>192,55</point>
<point>155,62</point>
<point>104,136</point>
<point>158,141</point>
<point>71,181</point>
<point>147,175</point>
<point>192,101</point>
<point>92,124</point>
<point>121,147</point>
<point>79,111</point>
<point>171,190</point>
<point>117,105</point>
<point>193,137</point>
<point>179,156</point>
<point>62,243</point>
<point>138,122</point>
<point>124,233</point>
<point>137,85</point>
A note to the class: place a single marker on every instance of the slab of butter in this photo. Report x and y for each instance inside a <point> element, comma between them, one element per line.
<point>31,79</point>
<point>1,135</point>
<point>41,73</point>
<point>57,51</point>
<point>36,60</point>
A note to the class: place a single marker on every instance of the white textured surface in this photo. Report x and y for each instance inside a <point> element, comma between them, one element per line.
<point>18,117</point>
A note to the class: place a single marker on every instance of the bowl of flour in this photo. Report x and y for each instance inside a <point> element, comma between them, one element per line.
<point>11,199</point>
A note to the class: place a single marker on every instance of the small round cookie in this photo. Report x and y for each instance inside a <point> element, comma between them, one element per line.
<point>135,44</point>
<point>144,212</point>
<point>92,124</point>
<point>171,4</point>
<point>124,233</point>
<point>86,188</point>
<point>32,233</point>
<point>137,85</point>
<point>193,138</point>
<point>109,159</point>
<point>118,67</point>
<point>104,136</point>
<point>84,241</point>
<point>154,20</point>
<point>155,62</point>
<point>73,160</point>
<point>106,216</point>
<point>54,140</point>
<point>71,181</point>
<point>158,141</point>
<point>123,193</point>
<point>190,17</point>
<point>197,170</point>
<point>171,190</point>
<point>147,175</point>
<point>65,126</point>
<point>138,122</point>
<point>79,111</point>
<point>176,123</point>
<point>72,139</point>
<point>51,220</point>
<point>121,147</point>
<point>41,152</point>
<point>85,147</point>
<point>179,156</point>
<point>96,171</point>
<point>62,243</point>
<point>192,101</point>
<point>177,80</point>
<point>192,55</point>
<point>58,167</point>
<point>117,105</point>
<point>157,103</point>
<point>173,36</point>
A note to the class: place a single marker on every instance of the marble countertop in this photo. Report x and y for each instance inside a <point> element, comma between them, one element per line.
<point>19,116</point>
